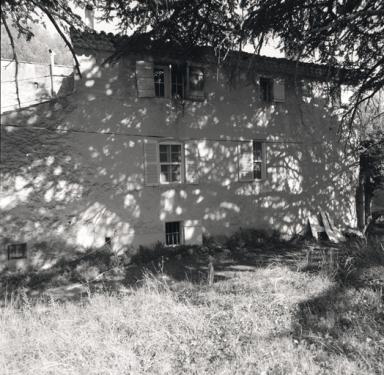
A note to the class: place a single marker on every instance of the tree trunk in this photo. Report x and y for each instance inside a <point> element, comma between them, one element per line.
<point>361,194</point>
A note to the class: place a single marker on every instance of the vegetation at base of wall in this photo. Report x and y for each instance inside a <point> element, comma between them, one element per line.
<point>265,320</point>
<point>254,238</point>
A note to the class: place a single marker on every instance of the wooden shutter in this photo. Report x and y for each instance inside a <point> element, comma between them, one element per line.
<point>192,162</point>
<point>151,163</point>
<point>264,163</point>
<point>144,79</point>
<point>246,161</point>
<point>193,232</point>
<point>279,90</point>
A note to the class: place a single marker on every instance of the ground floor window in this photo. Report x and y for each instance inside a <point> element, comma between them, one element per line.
<point>17,251</point>
<point>170,163</point>
<point>258,160</point>
<point>173,233</point>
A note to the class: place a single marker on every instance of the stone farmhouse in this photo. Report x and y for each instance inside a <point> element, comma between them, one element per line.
<point>159,144</point>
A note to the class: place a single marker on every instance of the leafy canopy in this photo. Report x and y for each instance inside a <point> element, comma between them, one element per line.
<point>349,33</point>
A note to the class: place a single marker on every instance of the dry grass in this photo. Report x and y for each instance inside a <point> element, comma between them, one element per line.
<point>265,321</point>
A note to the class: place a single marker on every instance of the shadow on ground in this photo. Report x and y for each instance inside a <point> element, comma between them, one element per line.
<point>101,270</point>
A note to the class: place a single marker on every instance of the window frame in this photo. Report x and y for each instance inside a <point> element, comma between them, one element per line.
<point>23,251</point>
<point>175,83</point>
<point>269,99</point>
<point>180,233</point>
<point>161,68</point>
<point>182,162</point>
<point>263,161</point>
<point>191,94</point>
<point>170,83</point>
<point>167,79</point>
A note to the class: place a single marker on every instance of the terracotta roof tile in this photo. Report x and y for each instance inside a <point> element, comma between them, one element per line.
<point>120,45</point>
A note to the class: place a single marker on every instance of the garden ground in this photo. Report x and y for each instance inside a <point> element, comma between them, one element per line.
<point>273,308</point>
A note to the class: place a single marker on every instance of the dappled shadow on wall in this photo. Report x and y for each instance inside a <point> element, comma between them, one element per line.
<point>74,168</point>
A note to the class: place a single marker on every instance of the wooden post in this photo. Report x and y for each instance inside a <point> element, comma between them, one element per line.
<point>51,71</point>
<point>211,271</point>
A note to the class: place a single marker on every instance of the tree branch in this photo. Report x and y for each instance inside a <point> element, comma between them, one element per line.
<point>77,64</point>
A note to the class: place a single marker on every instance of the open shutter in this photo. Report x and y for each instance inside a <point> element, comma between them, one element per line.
<point>246,161</point>
<point>264,164</point>
<point>195,82</point>
<point>192,162</point>
<point>279,90</point>
<point>151,167</point>
<point>144,79</point>
<point>193,232</point>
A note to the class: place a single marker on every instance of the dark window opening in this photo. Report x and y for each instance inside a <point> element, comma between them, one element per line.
<point>159,78</point>
<point>178,81</point>
<point>17,251</point>
<point>266,89</point>
<point>257,160</point>
<point>172,233</point>
<point>196,79</point>
<point>108,241</point>
<point>335,95</point>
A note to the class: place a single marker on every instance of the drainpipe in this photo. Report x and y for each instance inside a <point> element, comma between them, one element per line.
<point>51,68</point>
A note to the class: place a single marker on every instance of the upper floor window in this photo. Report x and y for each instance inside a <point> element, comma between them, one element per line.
<point>178,81</point>
<point>169,81</point>
<point>266,88</point>
<point>159,78</point>
<point>272,89</point>
<point>195,81</point>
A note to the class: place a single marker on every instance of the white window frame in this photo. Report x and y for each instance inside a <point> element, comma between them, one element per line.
<point>250,165</point>
<point>182,163</point>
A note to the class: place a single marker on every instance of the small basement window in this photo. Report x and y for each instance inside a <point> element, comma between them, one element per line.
<point>17,251</point>
<point>266,89</point>
<point>173,233</point>
<point>108,241</point>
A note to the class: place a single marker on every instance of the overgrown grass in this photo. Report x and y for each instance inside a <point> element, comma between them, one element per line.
<point>255,320</point>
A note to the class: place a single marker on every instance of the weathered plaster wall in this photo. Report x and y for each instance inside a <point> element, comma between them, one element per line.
<point>73,169</point>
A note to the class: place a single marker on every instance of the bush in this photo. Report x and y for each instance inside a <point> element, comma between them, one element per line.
<point>250,238</point>
<point>354,258</point>
<point>146,254</point>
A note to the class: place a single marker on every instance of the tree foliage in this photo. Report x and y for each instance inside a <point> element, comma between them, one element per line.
<point>347,33</point>
<point>37,49</point>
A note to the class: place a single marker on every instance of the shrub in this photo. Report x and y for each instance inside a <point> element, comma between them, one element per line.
<point>250,238</point>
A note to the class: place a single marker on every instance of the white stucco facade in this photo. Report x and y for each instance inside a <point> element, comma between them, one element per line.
<point>74,170</point>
